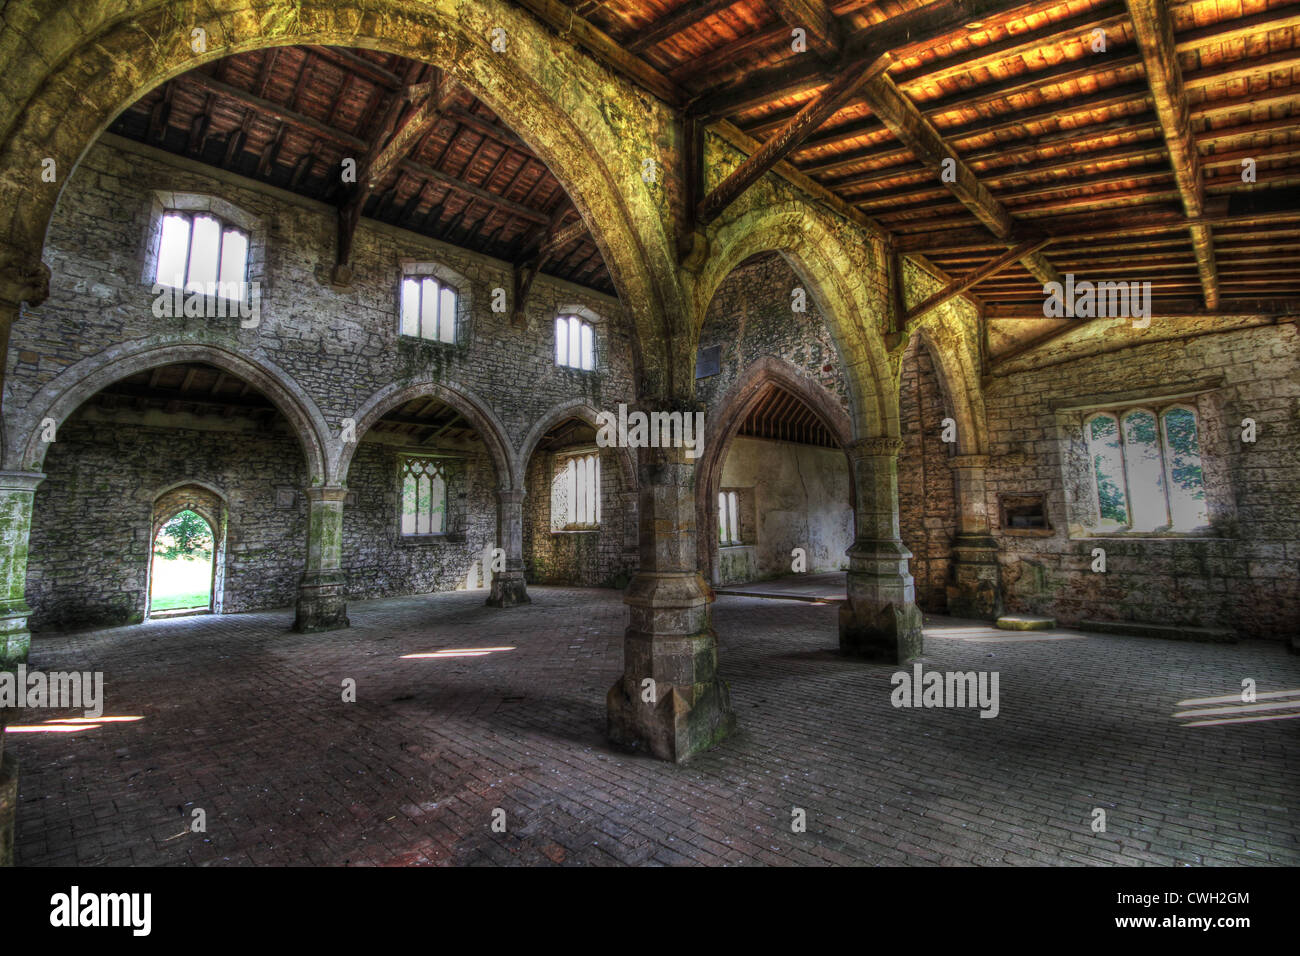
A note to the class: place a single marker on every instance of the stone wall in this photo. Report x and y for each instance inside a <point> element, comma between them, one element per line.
<point>751,316</point>
<point>337,347</point>
<point>91,526</point>
<point>797,496</point>
<point>606,557</point>
<point>340,346</point>
<point>380,562</point>
<point>927,510</point>
<point>1243,575</point>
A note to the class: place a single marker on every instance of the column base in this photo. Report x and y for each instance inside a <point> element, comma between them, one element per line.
<point>891,635</point>
<point>683,721</point>
<point>322,605</point>
<point>976,591</point>
<point>669,701</point>
<point>15,638</point>
<point>880,620</point>
<point>508,590</point>
<point>8,806</point>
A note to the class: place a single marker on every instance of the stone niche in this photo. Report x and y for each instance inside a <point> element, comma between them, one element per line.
<point>1025,515</point>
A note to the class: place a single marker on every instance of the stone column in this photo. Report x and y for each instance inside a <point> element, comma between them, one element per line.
<point>322,605</point>
<point>23,278</point>
<point>976,591</point>
<point>16,491</point>
<point>880,620</point>
<point>508,588</point>
<point>669,700</point>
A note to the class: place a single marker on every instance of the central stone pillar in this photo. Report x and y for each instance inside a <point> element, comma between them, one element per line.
<point>669,700</point>
<point>880,620</point>
<point>508,587</point>
<point>322,605</point>
<point>16,492</point>
<point>976,591</point>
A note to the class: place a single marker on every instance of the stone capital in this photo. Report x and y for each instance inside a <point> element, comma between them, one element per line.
<point>883,446</point>
<point>326,494</point>
<point>20,480</point>
<point>510,496</point>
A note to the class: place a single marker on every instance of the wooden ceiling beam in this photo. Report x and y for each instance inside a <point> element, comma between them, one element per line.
<point>1266,207</point>
<point>897,35</point>
<point>815,19</point>
<point>407,132</point>
<point>350,62</point>
<point>971,279</point>
<point>906,122</point>
<point>1155,35</point>
<point>821,108</point>
<point>682,18</point>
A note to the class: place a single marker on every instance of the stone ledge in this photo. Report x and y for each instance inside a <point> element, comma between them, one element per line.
<point>1023,622</point>
<point>1174,632</point>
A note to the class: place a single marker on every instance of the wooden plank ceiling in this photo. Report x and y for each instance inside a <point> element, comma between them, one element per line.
<point>431,157</point>
<point>1122,164</point>
<point>782,416</point>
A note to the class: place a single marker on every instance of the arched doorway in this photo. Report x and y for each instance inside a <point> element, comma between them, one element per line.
<point>136,450</point>
<point>182,572</point>
<point>774,490</point>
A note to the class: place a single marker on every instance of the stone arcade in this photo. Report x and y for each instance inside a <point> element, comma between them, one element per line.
<point>397,401</point>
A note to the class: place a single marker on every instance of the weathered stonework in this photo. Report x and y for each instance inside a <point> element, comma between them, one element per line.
<point>670,699</point>
<point>92,533</point>
<point>1243,575</point>
<point>605,557</point>
<point>926,504</point>
<point>880,619</point>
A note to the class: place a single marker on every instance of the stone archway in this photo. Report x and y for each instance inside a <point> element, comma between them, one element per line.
<point>846,276</point>
<point>583,411</point>
<point>603,555</point>
<point>507,585</point>
<point>574,118</point>
<point>474,410</point>
<point>64,394</point>
<point>833,270</point>
<point>722,426</point>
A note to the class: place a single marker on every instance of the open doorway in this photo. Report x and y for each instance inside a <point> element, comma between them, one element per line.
<point>181,580</point>
<point>185,565</point>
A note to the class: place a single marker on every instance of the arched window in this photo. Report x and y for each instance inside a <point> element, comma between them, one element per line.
<point>574,343</point>
<point>428,309</point>
<point>728,518</point>
<point>575,493</point>
<point>1108,470</point>
<point>199,252</point>
<point>1146,469</point>
<point>424,496</point>
<point>1184,477</point>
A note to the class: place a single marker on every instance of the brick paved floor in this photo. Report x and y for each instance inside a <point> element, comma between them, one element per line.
<point>245,720</point>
